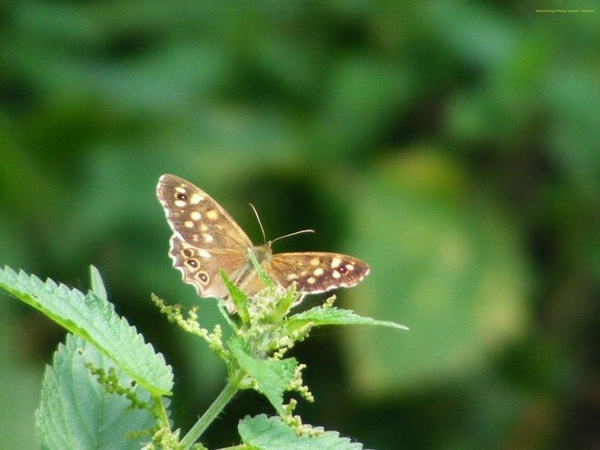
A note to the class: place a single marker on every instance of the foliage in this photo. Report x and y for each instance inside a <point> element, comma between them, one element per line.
<point>452,145</point>
<point>97,394</point>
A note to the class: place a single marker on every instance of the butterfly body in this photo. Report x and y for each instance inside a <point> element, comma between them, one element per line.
<point>206,238</point>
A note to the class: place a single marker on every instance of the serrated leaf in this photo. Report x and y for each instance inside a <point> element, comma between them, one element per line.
<point>272,377</point>
<point>335,316</point>
<point>270,433</point>
<point>94,320</point>
<point>76,412</point>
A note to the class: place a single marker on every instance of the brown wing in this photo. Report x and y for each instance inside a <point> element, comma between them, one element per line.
<point>205,237</point>
<point>201,269</point>
<point>197,218</point>
<point>316,272</point>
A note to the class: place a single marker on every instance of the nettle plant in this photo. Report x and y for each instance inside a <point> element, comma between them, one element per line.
<point>108,389</point>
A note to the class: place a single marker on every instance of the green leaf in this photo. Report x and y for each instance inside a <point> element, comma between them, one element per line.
<point>272,377</point>
<point>98,284</point>
<point>270,433</point>
<point>264,278</point>
<point>334,316</point>
<point>76,412</point>
<point>94,320</point>
<point>237,297</point>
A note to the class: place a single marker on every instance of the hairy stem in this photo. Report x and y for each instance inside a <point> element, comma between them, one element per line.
<point>212,412</point>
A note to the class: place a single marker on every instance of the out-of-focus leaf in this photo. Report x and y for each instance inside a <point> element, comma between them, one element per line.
<point>445,262</point>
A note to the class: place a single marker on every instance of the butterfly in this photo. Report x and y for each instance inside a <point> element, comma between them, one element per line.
<point>206,239</point>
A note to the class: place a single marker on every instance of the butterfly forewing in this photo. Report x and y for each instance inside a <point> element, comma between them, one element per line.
<point>196,217</point>
<point>315,272</point>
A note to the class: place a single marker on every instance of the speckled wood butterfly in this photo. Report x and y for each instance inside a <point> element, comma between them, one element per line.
<point>206,238</point>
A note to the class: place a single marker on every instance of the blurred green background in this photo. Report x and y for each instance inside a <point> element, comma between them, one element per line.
<point>453,145</point>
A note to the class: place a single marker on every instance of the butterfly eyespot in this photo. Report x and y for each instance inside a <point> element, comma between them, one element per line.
<point>188,253</point>
<point>193,263</point>
<point>342,270</point>
<point>182,197</point>
<point>203,277</point>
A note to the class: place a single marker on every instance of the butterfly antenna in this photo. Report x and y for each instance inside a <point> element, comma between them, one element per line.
<point>308,230</point>
<point>280,237</point>
<point>259,222</point>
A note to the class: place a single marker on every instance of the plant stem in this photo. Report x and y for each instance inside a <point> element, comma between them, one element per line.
<point>212,412</point>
